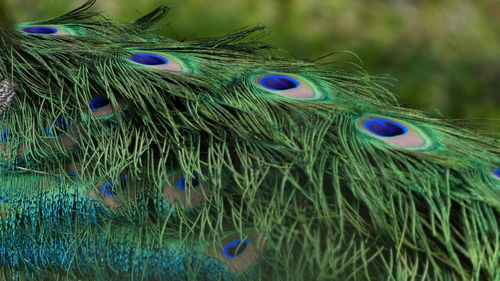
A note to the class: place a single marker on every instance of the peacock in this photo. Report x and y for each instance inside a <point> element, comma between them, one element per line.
<point>127,155</point>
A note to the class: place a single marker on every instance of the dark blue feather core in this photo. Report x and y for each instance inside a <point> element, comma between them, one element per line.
<point>496,172</point>
<point>4,136</point>
<point>181,182</point>
<point>98,102</point>
<point>148,59</point>
<point>385,128</point>
<point>106,188</point>
<point>40,30</point>
<point>277,82</point>
<point>58,127</point>
<point>235,248</point>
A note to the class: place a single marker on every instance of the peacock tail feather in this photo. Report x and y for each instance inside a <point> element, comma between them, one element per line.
<point>130,156</point>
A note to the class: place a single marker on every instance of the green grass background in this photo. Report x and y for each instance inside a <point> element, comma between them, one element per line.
<point>443,54</point>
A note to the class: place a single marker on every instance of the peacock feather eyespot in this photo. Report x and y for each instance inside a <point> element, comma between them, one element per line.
<point>106,192</point>
<point>4,136</point>
<point>45,30</point>
<point>157,61</point>
<point>102,108</point>
<point>495,172</point>
<point>181,182</point>
<point>235,248</point>
<point>239,253</point>
<point>74,170</point>
<point>107,187</point>
<point>394,132</point>
<point>58,127</point>
<point>98,103</point>
<point>288,86</point>
<point>177,189</point>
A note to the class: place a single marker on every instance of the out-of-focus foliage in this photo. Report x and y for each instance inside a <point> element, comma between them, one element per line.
<point>444,54</point>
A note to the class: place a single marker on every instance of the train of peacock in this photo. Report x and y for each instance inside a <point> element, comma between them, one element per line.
<point>126,155</point>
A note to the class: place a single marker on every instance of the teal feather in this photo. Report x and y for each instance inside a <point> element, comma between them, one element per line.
<point>318,173</point>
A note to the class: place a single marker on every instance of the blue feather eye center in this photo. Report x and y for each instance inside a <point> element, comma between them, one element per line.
<point>106,188</point>
<point>40,30</point>
<point>58,127</point>
<point>496,172</point>
<point>235,248</point>
<point>148,59</point>
<point>98,102</point>
<point>277,82</point>
<point>288,86</point>
<point>385,127</point>
<point>181,182</point>
<point>157,61</point>
<point>5,133</point>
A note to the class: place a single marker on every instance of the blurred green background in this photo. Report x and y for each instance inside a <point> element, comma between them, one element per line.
<point>444,54</point>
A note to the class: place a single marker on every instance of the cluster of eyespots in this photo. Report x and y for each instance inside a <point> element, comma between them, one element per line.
<point>394,132</point>
<point>288,86</point>
<point>157,61</point>
<point>59,127</point>
<point>45,30</point>
<point>107,187</point>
